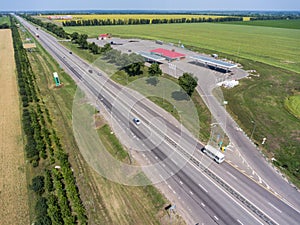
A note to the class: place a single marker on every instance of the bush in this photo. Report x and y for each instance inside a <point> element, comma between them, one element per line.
<point>38,185</point>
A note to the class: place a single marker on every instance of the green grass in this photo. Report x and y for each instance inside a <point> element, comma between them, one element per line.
<point>112,144</point>
<point>289,24</point>
<point>273,46</point>
<point>261,99</point>
<point>292,104</point>
<point>4,19</point>
<point>166,105</point>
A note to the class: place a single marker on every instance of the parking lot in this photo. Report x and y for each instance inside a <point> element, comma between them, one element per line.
<point>209,75</point>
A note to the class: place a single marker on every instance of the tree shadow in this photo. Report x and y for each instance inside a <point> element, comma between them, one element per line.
<point>152,81</point>
<point>180,96</point>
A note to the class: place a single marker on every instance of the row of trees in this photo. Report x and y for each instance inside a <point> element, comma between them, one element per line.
<point>57,30</point>
<point>135,21</point>
<point>58,199</point>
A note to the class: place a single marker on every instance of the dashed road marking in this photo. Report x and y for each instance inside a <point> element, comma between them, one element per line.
<point>231,175</point>
<point>216,218</point>
<point>240,222</point>
<point>274,207</point>
<point>191,193</point>
<point>202,204</point>
<point>180,182</point>
<point>202,188</point>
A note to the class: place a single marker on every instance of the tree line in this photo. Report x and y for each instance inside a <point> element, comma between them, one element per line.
<point>57,30</point>
<point>57,196</point>
<point>135,21</point>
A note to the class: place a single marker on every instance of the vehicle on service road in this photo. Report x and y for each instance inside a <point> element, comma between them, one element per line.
<point>213,153</point>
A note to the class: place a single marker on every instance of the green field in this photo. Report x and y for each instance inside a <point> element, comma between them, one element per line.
<point>273,46</point>
<point>292,104</point>
<point>4,19</point>
<point>289,24</point>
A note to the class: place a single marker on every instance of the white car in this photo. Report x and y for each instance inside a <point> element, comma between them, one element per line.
<point>136,121</point>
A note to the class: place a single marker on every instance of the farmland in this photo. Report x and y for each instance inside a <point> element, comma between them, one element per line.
<point>276,47</point>
<point>13,185</point>
<point>289,24</point>
<point>133,16</point>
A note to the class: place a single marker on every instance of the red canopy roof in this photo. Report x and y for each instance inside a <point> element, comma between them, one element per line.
<point>167,53</point>
<point>103,35</point>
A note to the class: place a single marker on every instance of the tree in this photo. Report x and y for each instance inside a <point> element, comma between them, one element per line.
<point>38,185</point>
<point>154,70</point>
<point>188,83</point>
<point>134,68</point>
<point>74,36</point>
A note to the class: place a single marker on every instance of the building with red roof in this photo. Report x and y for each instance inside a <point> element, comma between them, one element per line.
<point>168,54</point>
<point>104,36</point>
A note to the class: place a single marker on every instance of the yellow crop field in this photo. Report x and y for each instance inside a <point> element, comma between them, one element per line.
<point>128,16</point>
<point>13,185</point>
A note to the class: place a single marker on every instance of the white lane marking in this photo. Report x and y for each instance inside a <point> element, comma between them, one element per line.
<point>164,165</point>
<point>203,188</point>
<point>156,157</point>
<point>180,182</point>
<point>274,207</point>
<point>191,193</point>
<point>231,175</point>
<point>240,222</point>
<point>202,204</point>
<point>170,187</point>
<point>216,218</point>
<point>221,189</point>
<point>161,176</point>
<point>143,155</point>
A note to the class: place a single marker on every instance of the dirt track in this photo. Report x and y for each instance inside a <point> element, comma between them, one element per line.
<point>13,187</point>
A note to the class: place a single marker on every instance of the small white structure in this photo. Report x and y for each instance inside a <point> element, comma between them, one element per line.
<point>229,83</point>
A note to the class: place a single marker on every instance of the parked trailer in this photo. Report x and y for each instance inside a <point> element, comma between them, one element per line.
<point>213,153</point>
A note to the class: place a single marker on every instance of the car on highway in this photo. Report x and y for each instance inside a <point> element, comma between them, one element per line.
<point>136,121</point>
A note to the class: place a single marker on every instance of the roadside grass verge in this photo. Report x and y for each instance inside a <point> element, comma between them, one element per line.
<point>111,143</point>
<point>262,99</point>
<point>292,104</point>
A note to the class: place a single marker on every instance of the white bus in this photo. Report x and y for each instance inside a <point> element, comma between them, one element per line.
<point>213,153</point>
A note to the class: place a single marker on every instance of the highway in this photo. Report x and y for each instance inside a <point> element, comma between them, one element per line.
<point>214,195</point>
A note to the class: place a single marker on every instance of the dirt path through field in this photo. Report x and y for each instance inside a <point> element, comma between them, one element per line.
<point>13,187</point>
